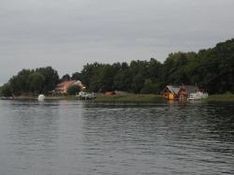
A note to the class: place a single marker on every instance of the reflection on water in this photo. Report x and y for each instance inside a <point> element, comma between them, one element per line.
<point>76,137</point>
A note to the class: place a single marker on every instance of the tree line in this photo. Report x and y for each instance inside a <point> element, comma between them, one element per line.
<point>31,82</point>
<point>211,69</point>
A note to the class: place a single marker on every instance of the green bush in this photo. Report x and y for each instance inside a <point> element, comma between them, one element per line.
<point>73,90</point>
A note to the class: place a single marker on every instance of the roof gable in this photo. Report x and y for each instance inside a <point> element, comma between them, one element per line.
<point>190,88</point>
<point>66,83</point>
<point>174,89</point>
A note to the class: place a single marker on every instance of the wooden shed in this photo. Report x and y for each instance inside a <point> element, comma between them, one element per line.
<point>179,92</point>
<point>185,91</point>
<point>170,92</point>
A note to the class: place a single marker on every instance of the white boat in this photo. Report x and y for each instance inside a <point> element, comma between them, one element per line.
<point>41,97</point>
<point>85,96</point>
<point>197,95</point>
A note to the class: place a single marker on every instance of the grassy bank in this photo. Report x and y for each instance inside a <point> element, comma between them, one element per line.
<point>128,98</point>
<point>124,98</point>
<point>227,97</point>
<point>152,98</point>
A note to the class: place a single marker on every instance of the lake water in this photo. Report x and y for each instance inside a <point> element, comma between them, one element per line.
<point>86,138</point>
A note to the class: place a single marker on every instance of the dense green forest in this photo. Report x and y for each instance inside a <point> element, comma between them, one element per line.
<point>211,69</point>
<point>29,82</point>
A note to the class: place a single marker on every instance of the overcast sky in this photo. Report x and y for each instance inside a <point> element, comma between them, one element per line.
<point>67,34</point>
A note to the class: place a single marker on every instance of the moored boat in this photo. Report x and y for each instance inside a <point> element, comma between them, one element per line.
<point>85,96</point>
<point>41,97</point>
<point>197,95</point>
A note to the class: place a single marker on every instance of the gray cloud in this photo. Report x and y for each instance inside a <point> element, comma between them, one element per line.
<point>68,34</point>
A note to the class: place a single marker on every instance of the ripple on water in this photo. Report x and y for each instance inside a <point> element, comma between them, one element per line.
<point>75,137</point>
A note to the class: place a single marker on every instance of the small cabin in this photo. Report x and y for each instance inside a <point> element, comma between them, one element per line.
<point>181,93</point>
<point>62,88</point>
<point>185,91</point>
<point>170,92</point>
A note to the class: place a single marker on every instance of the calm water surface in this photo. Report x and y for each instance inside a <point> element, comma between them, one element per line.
<point>82,138</point>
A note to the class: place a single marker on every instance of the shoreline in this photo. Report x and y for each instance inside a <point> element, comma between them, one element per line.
<point>130,98</point>
<point>36,98</point>
<point>127,98</point>
<point>227,97</point>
